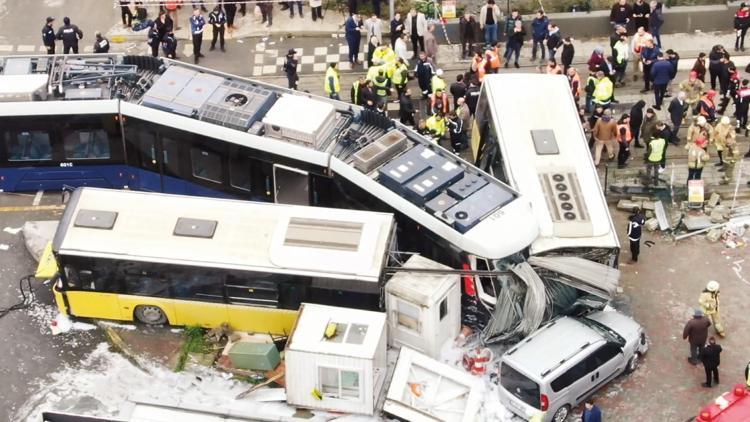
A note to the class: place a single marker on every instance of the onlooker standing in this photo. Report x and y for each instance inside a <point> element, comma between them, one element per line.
<point>596,61</point>
<point>515,42</point>
<point>620,14</point>
<point>430,43</point>
<point>154,40</point>
<point>101,44</point>
<point>231,10</point>
<point>636,120</point>
<point>640,39</point>
<point>397,29</point>
<point>605,136</point>
<point>648,128</point>
<point>615,36</point>
<point>376,7</point>
<point>291,9</point>
<point>661,74</point>
<point>458,89</point>
<point>353,33</point>
<point>715,64</point>
<point>424,72</point>
<point>699,67</point>
<point>126,13</point>
<point>69,34</point>
<point>48,35</point>
<point>624,138</point>
<point>416,26</point>
<point>742,106</point>
<point>741,23</point>
<point>467,34</point>
<point>575,84</point>
<point>539,33</point>
<point>711,358</point>
<point>696,333</point>
<point>641,14</point>
<point>316,9</point>
<point>406,109</point>
<point>621,56</point>
<point>266,12</point>
<point>510,23</point>
<point>674,59</point>
<point>568,51</point>
<point>591,413</point>
<point>196,29</point>
<point>489,18</point>
<point>164,24</point>
<point>217,18</point>
<point>554,40</point>
<point>290,68</point>
<point>677,111</point>
<point>635,229</point>
<point>374,28</point>
<point>656,20</point>
<point>649,55</point>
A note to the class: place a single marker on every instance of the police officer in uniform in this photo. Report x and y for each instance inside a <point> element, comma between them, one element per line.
<point>48,36</point>
<point>69,34</point>
<point>101,44</point>
<point>290,68</point>
<point>169,44</point>
<point>196,28</point>
<point>217,19</point>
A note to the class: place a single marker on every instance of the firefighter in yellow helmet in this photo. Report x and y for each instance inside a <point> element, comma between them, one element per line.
<point>709,301</point>
<point>332,84</point>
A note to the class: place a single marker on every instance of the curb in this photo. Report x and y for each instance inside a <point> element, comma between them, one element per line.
<point>117,342</point>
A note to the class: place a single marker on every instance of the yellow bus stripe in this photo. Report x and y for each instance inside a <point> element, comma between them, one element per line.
<point>33,208</point>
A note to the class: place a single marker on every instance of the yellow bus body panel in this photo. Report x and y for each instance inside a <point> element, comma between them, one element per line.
<point>201,314</point>
<point>59,297</point>
<point>93,304</point>
<point>261,320</point>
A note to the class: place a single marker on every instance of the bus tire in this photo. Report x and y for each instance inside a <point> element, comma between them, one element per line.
<point>150,315</point>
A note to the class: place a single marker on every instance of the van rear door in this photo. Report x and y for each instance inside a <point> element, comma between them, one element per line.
<point>521,389</point>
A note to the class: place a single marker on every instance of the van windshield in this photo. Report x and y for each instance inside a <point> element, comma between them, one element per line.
<point>519,385</point>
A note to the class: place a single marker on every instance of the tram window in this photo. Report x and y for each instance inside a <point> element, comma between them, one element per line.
<point>206,165</point>
<point>196,286</point>
<point>171,156</point>
<point>239,173</point>
<point>86,144</point>
<point>31,145</point>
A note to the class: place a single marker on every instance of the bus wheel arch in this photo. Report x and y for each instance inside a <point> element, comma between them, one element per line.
<point>150,315</point>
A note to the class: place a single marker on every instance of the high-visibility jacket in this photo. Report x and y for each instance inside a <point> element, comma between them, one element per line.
<point>482,69</point>
<point>707,108</point>
<point>440,102</point>
<point>656,152</point>
<point>603,91</point>
<point>381,86</point>
<point>372,72</point>
<point>332,77</point>
<point>627,137</point>
<point>576,77</point>
<point>436,125</point>
<point>355,93</point>
<point>400,75</point>
<point>495,58</point>
<point>384,53</point>
<point>621,52</point>
<point>437,83</point>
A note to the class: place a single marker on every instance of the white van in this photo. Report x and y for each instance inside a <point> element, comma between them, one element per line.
<point>567,360</point>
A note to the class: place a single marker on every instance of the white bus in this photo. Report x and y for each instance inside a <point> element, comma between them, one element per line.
<point>528,135</point>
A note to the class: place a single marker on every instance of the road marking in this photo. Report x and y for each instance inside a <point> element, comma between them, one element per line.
<point>26,48</point>
<point>38,198</point>
<point>42,49</point>
<point>33,208</point>
<point>6,48</point>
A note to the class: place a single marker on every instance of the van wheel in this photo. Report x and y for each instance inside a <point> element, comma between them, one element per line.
<point>150,314</point>
<point>633,363</point>
<point>562,414</point>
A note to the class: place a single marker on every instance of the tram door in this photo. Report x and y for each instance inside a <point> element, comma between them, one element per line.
<point>160,160</point>
<point>291,185</point>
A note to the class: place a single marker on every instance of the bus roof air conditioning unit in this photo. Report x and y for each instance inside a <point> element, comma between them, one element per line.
<point>570,217</point>
<point>237,105</point>
<point>383,149</point>
<point>300,120</point>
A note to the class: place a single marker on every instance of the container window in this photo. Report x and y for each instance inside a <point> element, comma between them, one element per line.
<point>339,383</point>
<point>86,144</point>
<point>408,316</point>
<point>206,165</point>
<point>443,308</point>
<point>31,145</point>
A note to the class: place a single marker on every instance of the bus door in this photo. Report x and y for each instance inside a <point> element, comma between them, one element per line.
<point>253,306</point>
<point>292,186</point>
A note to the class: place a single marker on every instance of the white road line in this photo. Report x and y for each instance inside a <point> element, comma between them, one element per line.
<point>42,49</point>
<point>38,198</point>
<point>6,48</point>
<point>26,48</point>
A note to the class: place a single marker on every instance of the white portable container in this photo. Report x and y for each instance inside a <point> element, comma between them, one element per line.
<point>342,371</point>
<point>424,310</point>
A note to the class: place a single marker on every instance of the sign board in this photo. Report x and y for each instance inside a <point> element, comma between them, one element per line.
<point>695,193</point>
<point>448,9</point>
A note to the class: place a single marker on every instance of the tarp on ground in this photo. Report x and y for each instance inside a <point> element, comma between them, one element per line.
<point>591,277</point>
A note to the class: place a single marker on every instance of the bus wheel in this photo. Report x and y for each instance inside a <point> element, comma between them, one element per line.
<point>150,314</point>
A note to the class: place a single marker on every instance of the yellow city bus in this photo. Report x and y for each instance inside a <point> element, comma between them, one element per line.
<point>180,260</point>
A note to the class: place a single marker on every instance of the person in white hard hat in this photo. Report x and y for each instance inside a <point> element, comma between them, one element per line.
<point>699,127</point>
<point>709,301</point>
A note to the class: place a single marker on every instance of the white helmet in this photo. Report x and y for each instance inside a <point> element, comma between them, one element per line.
<point>712,286</point>
<point>701,120</point>
<point>725,120</point>
<point>439,72</point>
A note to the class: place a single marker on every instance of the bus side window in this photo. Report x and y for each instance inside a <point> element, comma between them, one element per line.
<point>144,282</point>
<point>252,289</point>
<point>195,285</point>
<point>71,277</point>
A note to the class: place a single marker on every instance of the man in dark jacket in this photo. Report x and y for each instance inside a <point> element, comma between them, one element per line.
<point>615,36</point>
<point>467,32</point>
<point>290,68</point>
<point>635,229</point>
<point>424,72</point>
<point>649,55</point>
<point>696,333</point>
<point>568,51</point>
<point>591,412</point>
<point>621,13</point>
<point>218,19</point>
<point>677,111</point>
<point>458,89</point>
<point>710,356</point>
<point>641,13</point>
<point>636,120</point>
<point>406,109</point>
<point>472,96</point>
<point>101,44</point>
<point>48,35</point>
<point>539,33</point>
<point>661,74</point>
<point>69,34</point>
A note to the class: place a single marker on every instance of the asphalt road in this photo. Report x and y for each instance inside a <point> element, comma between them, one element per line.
<point>28,351</point>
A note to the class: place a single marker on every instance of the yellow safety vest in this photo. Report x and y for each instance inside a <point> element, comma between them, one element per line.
<point>355,87</point>
<point>657,150</point>
<point>372,72</point>
<point>332,73</point>
<point>603,91</point>
<point>384,53</point>
<point>435,126</point>
<point>438,84</point>
<point>381,86</point>
<point>400,75</point>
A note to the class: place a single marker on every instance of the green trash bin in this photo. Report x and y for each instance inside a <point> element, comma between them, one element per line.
<point>254,356</point>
